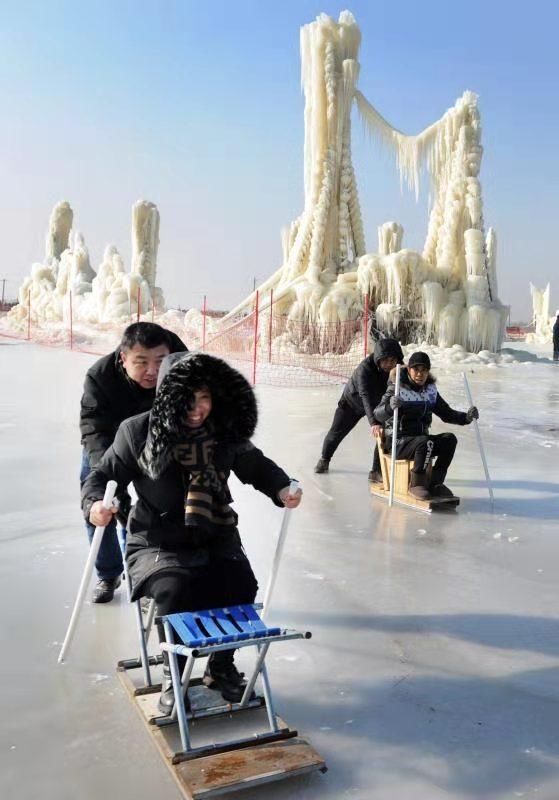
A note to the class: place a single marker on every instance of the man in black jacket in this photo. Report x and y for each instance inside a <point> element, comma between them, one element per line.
<point>184,548</point>
<point>556,337</point>
<point>417,401</point>
<point>119,385</point>
<point>360,397</point>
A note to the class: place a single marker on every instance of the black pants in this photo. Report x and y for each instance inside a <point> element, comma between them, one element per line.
<point>556,353</point>
<point>345,420</point>
<point>221,583</point>
<point>423,449</point>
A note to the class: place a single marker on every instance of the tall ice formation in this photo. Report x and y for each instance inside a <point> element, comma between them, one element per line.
<point>447,293</point>
<point>541,320</point>
<point>66,272</point>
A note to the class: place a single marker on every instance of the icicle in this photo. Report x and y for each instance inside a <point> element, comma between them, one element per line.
<point>433,296</point>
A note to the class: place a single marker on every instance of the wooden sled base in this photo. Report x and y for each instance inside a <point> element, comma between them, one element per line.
<point>402,474</point>
<point>232,765</point>
<point>427,506</point>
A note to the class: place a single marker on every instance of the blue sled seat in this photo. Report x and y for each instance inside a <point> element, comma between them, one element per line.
<point>217,626</point>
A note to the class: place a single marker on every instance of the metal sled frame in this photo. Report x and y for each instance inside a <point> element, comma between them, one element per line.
<point>216,768</point>
<point>401,484</point>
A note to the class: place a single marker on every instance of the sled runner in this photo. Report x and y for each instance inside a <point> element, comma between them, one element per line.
<point>401,485</point>
<point>217,747</point>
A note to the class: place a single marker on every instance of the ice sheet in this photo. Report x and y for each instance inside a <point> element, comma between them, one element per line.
<point>433,668</point>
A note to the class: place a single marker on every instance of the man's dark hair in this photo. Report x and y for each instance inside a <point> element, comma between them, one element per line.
<point>146,334</point>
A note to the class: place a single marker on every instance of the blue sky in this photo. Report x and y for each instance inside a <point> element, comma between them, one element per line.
<point>197,107</point>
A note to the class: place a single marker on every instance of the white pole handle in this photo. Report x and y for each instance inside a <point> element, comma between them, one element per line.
<point>88,569</point>
<point>293,486</point>
<point>394,439</point>
<point>479,442</point>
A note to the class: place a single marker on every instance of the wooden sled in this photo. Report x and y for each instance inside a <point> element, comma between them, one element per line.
<point>213,763</point>
<point>401,486</point>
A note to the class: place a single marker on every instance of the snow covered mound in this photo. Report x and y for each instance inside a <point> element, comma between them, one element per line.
<point>456,358</point>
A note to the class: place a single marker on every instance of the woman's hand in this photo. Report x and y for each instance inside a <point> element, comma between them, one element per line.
<point>290,500</point>
<point>101,516</point>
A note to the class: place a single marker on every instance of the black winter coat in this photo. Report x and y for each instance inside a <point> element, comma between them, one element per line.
<point>142,453</point>
<point>556,334</point>
<point>367,384</point>
<point>416,414</point>
<point>109,397</point>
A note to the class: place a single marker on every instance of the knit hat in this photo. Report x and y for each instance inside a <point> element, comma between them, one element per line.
<point>419,359</point>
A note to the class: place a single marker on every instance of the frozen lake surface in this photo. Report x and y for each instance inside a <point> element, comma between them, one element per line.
<point>433,670</point>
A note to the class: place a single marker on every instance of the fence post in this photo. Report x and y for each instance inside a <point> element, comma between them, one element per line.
<point>28,314</point>
<point>366,326</point>
<point>204,323</point>
<point>255,339</point>
<point>71,324</point>
<point>138,301</point>
<point>270,328</point>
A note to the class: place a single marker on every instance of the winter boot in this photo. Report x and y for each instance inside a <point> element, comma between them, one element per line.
<point>437,487</point>
<point>105,590</point>
<point>222,674</point>
<point>167,696</point>
<point>375,477</point>
<point>322,465</point>
<point>418,488</point>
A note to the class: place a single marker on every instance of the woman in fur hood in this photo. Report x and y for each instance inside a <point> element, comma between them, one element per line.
<point>183,547</point>
<point>418,400</point>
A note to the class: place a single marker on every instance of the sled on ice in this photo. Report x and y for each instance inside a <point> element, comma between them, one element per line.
<point>217,747</point>
<point>402,496</point>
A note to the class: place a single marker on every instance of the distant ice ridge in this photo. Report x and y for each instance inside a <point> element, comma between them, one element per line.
<point>448,293</point>
<point>66,274</point>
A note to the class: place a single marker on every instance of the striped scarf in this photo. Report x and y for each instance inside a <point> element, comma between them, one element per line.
<point>207,497</point>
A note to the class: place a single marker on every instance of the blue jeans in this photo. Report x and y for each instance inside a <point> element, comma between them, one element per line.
<point>109,559</point>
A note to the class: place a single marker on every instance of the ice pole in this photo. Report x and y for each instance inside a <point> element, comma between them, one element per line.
<point>88,569</point>
<point>394,439</point>
<point>479,442</point>
<point>293,486</point>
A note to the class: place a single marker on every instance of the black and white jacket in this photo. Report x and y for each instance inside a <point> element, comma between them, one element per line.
<point>416,414</point>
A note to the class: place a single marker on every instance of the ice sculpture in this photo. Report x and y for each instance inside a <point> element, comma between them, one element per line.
<point>448,293</point>
<point>543,323</point>
<point>111,294</point>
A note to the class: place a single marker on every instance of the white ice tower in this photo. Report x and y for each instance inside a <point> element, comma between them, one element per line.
<point>66,274</point>
<point>541,320</point>
<point>448,293</point>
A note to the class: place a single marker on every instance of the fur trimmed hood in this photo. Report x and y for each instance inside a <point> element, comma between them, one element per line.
<point>234,412</point>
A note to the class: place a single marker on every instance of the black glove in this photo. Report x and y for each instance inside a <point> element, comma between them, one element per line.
<point>124,506</point>
<point>471,414</point>
<point>396,402</point>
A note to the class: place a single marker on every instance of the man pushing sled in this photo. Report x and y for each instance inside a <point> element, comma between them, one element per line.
<point>417,401</point>
<point>183,547</point>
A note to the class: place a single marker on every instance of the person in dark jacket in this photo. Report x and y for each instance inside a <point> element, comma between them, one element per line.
<point>116,387</point>
<point>417,401</point>
<point>359,399</point>
<point>183,547</point>
<point>556,337</point>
